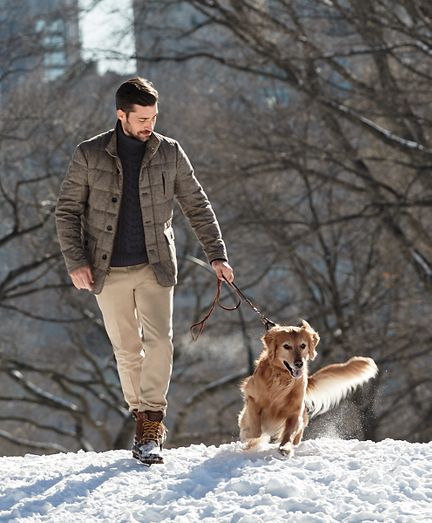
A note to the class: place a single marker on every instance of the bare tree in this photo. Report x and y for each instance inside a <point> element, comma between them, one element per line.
<point>60,388</point>
<point>315,142</point>
<point>309,127</point>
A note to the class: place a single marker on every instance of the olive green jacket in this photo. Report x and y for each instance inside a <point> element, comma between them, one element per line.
<point>89,203</point>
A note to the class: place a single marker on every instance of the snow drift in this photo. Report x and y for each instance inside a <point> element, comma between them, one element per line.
<point>326,481</point>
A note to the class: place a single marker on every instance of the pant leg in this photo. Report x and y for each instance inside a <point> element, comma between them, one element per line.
<point>117,304</point>
<point>154,305</point>
<point>137,313</point>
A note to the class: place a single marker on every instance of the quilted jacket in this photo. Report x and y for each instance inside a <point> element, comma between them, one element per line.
<point>88,206</point>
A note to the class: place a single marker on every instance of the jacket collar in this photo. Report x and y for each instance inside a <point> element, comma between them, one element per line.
<point>151,148</point>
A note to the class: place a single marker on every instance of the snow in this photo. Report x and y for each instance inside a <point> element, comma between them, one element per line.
<point>327,480</point>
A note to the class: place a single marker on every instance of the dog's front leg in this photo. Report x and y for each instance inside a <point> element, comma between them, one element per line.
<point>250,423</point>
<point>293,426</point>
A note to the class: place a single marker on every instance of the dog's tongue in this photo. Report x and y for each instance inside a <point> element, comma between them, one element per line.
<point>297,373</point>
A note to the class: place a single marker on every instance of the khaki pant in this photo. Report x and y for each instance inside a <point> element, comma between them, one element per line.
<point>137,313</point>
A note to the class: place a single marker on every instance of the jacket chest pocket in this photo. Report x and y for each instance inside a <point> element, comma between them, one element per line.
<point>161,182</point>
<point>168,185</point>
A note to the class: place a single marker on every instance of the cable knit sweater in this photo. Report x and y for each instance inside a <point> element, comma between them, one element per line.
<point>129,244</point>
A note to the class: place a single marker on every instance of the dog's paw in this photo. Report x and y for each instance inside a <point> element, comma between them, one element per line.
<point>244,435</point>
<point>251,443</point>
<point>247,435</point>
<point>285,452</point>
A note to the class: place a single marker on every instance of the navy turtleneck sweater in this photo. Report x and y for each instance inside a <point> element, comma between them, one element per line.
<point>129,244</point>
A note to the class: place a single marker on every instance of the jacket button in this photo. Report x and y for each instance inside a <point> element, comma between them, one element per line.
<point>109,228</point>
<point>114,199</point>
<point>104,256</point>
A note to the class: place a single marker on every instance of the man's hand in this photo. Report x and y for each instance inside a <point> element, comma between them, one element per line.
<point>222,269</point>
<point>82,278</point>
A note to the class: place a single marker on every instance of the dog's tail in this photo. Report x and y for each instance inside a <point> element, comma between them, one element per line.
<point>328,386</point>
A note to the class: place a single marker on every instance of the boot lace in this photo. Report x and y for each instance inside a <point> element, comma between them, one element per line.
<point>153,430</point>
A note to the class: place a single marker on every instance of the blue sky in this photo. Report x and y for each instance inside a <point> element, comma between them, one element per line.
<point>106,34</point>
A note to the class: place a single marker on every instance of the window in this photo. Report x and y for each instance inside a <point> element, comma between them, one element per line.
<point>52,34</point>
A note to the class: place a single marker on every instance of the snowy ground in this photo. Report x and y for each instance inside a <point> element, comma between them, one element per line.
<point>326,481</point>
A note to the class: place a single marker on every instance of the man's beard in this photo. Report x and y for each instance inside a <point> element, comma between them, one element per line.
<point>141,136</point>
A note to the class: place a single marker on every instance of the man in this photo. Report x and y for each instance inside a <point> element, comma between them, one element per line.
<point>114,222</point>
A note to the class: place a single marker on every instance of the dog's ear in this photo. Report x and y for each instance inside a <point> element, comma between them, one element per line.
<point>269,341</point>
<point>313,337</point>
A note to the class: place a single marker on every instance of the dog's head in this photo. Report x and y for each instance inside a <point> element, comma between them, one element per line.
<point>289,348</point>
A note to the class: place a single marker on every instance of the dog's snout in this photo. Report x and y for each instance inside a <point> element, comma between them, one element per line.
<point>298,364</point>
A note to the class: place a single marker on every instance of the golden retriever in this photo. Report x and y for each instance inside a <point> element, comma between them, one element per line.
<point>279,391</point>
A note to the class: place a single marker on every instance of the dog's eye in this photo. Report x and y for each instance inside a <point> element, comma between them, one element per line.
<point>287,347</point>
<point>303,345</point>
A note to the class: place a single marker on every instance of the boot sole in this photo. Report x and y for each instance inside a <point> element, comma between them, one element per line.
<point>148,460</point>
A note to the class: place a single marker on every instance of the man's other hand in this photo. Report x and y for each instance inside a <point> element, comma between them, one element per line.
<point>82,278</point>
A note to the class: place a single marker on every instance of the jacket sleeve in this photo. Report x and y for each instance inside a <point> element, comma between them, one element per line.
<point>198,210</point>
<point>70,207</point>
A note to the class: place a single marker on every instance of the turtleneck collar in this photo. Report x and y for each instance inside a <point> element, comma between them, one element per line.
<point>127,143</point>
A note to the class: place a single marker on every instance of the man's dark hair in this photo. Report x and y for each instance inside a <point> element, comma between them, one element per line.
<point>137,91</point>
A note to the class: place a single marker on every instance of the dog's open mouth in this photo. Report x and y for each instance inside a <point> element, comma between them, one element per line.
<point>295,373</point>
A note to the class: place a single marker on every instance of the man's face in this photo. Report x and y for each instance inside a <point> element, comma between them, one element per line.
<point>140,122</point>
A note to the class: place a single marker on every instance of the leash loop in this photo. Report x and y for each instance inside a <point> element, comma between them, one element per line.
<point>267,323</point>
<point>207,316</point>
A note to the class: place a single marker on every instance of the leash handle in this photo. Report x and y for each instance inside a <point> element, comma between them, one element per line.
<point>207,316</point>
<point>267,323</point>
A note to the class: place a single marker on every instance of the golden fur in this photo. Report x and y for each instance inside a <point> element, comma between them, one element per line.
<point>278,392</point>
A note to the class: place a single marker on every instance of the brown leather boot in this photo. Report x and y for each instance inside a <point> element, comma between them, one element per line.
<point>150,435</point>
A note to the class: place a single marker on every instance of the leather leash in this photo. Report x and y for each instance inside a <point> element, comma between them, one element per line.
<point>267,323</point>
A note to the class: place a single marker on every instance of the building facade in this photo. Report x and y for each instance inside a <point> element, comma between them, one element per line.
<point>38,37</point>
